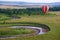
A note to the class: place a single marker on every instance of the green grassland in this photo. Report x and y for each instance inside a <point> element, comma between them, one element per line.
<point>53,21</point>
<point>14,31</point>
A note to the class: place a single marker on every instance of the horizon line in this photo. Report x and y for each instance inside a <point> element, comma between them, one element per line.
<point>29,2</point>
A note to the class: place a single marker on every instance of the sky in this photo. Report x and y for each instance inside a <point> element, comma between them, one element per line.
<point>35,1</point>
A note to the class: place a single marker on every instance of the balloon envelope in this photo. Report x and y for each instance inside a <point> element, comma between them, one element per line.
<point>45,8</point>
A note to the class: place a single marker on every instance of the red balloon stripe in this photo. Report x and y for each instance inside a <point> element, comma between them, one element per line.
<point>45,9</point>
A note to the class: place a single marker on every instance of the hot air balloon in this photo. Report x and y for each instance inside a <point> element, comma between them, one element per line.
<point>45,9</point>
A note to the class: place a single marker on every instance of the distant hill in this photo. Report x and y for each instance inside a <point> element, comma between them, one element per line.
<point>57,4</point>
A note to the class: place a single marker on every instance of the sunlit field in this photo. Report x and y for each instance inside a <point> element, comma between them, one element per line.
<point>52,20</point>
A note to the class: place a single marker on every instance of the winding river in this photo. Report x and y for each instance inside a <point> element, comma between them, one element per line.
<point>40,30</point>
<point>30,27</point>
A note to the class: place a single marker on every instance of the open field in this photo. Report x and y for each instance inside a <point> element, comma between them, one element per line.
<point>53,21</point>
<point>11,7</point>
<point>19,7</point>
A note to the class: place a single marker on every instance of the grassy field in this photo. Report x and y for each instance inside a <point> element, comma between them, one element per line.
<point>53,21</point>
<point>14,31</point>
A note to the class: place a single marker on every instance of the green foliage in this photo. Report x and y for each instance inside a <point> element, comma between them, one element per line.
<point>27,11</point>
<point>55,9</point>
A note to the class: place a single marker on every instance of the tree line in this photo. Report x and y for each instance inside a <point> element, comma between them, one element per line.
<point>54,9</point>
<point>27,11</point>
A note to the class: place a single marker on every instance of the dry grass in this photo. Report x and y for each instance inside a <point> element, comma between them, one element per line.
<point>11,7</point>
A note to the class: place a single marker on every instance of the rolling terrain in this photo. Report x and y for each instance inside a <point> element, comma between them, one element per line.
<point>5,4</point>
